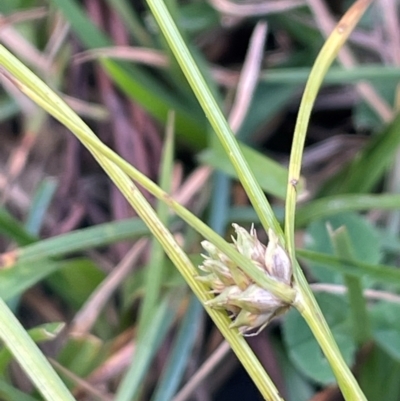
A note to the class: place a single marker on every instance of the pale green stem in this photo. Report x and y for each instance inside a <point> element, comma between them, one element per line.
<point>305,301</point>
<point>311,312</point>
<point>215,116</point>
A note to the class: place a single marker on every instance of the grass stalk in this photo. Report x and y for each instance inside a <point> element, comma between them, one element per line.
<point>311,312</point>
<point>305,301</point>
<point>30,358</point>
<point>214,115</point>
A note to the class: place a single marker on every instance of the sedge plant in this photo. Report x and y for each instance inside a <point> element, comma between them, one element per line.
<point>254,282</point>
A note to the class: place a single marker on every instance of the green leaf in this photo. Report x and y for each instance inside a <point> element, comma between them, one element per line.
<point>75,282</point>
<point>30,358</point>
<point>13,229</point>
<point>10,393</point>
<point>364,115</point>
<point>39,334</point>
<point>146,348</point>
<point>83,239</point>
<point>364,173</point>
<point>298,387</point>
<point>42,333</point>
<point>17,279</point>
<point>386,327</point>
<point>336,75</point>
<point>39,205</point>
<point>157,101</point>
<point>46,331</point>
<point>8,108</point>
<point>364,238</point>
<point>132,20</point>
<point>376,273</point>
<point>268,100</point>
<point>180,353</point>
<point>82,354</point>
<point>304,350</point>
<point>156,266</point>
<point>379,375</point>
<point>332,205</point>
<point>197,17</point>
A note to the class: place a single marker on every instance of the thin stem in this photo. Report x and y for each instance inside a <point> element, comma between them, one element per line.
<point>324,60</point>
<point>311,312</point>
<point>215,116</point>
<point>305,301</point>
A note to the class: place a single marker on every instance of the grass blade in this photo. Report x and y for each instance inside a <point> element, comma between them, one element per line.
<point>30,358</point>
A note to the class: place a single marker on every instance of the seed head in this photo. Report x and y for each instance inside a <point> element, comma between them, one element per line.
<point>252,306</point>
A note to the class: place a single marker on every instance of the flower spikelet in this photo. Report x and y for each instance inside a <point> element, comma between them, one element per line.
<point>251,306</point>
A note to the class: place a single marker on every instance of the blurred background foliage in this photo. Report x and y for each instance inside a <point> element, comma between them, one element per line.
<point>74,252</point>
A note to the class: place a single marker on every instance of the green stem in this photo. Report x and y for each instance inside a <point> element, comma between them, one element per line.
<point>305,301</point>
<point>324,60</point>
<point>215,116</point>
<point>186,268</point>
<point>311,312</point>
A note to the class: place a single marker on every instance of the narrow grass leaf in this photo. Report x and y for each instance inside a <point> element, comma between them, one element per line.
<point>30,358</point>
<point>146,348</point>
<point>23,275</point>
<point>336,75</point>
<point>376,272</point>
<point>10,393</point>
<point>324,60</point>
<point>156,265</point>
<point>180,353</point>
<point>332,205</point>
<point>39,334</point>
<point>309,307</point>
<point>365,171</point>
<point>82,239</point>
<point>39,205</point>
<point>14,230</point>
